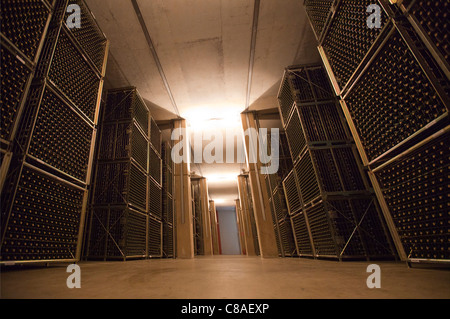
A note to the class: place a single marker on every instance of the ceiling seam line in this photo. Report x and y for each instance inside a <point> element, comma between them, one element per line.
<point>155,55</point>
<point>252,51</point>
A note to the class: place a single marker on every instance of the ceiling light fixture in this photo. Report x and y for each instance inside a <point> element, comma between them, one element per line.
<point>213,118</point>
<point>222,178</point>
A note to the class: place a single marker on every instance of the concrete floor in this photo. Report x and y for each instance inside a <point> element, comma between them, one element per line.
<point>221,277</point>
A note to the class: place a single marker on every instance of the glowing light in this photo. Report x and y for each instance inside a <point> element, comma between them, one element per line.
<point>222,178</point>
<point>213,118</point>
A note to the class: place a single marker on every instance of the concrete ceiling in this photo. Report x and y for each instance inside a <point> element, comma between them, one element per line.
<point>204,58</point>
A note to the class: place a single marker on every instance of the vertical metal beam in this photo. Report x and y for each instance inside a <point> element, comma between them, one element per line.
<point>214,232</point>
<point>206,220</point>
<point>155,55</point>
<point>266,233</point>
<point>252,51</point>
<point>244,198</point>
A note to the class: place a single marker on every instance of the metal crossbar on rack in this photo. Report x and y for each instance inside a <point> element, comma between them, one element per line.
<point>126,103</point>
<point>400,88</point>
<point>63,64</point>
<point>319,13</point>
<point>300,229</point>
<point>123,140</point>
<point>349,40</point>
<point>285,100</point>
<point>15,78</point>
<point>50,131</point>
<point>117,232</point>
<point>43,222</point>
<point>394,85</point>
<point>414,187</point>
<point>155,204</point>
<point>155,240</point>
<point>155,136</point>
<point>89,37</point>
<point>155,166</point>
<point>327,187</point>
<point>120,182</point>
<point>23,25</point>
<point>61,137</point>
<point>430,22</point>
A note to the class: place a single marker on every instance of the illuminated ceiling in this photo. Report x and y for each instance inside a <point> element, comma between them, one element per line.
<point>205,60</point>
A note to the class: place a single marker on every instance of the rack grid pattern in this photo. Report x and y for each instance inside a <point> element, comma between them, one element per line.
<point>117,232</point>
<point>61,137</point>
<point>120,183</point>
<point>349,39</point>
<point>155,229</point>
<point>301,235</point>
<point>127,174</point>
<point>123,140</point>
<point>53,97</point>
<point>277,201</point>
<point>44,220</point>
<point>393,99</point>
<point>127,104</point>
<point>429,20</point>
<point>319,12</point>
<point>89,36</point>
<point>292,193</point>
<point>23,24</point>
<point>155,168</point>
<point>168,241</point>
<point>168,213</point>
<point>68,66</point>
<point>287,239</point>
<point>394,85</point>
<point>15,79</point>
<point>285,100</point>
<point>327,180</point>
<point>414,188</point>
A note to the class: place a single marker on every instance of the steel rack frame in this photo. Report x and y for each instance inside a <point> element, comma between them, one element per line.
<point>109,233</point>
<point>418,233</point>
<point>326,168</point>
<point>431,63</point>
<point>126,103</point>
<point>69,183</point>
<point>320,27</point>
<point>408,8</point>
<point>155,198</point>
<point>124,139</point>
<point>89,22</point>
<point>41,247</point>
<point>168,213</point>
<point>197,217</point>
<point>155,237</point>
<point>388,13</point>
<point>27,62</point>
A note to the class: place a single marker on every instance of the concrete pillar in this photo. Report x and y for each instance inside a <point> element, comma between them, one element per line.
<point>182,196</point>
<point>264,223</point>
<point>214,232</point>
<point>206,218</point>
<point>240,226</point>
<point>244,198</point>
